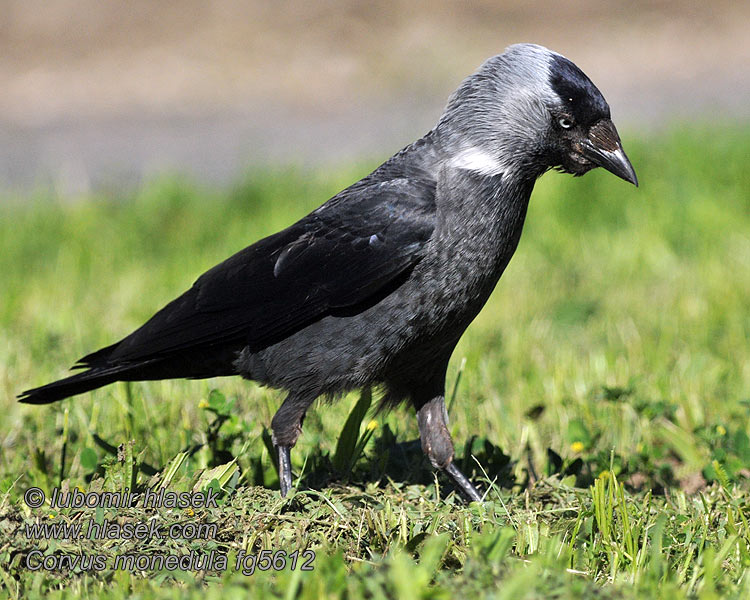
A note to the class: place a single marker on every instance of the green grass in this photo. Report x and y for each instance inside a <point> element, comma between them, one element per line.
<point>604,402</point>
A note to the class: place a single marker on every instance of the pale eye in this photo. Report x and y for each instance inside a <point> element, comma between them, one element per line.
<point>565,122</point>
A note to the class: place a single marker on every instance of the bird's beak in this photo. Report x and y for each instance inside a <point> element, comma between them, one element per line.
<point>604,149</point>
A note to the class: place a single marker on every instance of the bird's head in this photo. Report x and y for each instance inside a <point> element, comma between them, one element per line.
<point>529,110</point>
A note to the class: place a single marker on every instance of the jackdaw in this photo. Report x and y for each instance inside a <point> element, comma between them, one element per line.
<point>377,285</point>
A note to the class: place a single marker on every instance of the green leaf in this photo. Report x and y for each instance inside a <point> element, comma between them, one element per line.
<point>89,459</point>
<point>577,432</point>
<point>218,403</point>
<point>742,446</point>
<point>342,458</point>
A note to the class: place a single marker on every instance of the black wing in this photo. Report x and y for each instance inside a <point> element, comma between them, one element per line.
<point>337,257</point>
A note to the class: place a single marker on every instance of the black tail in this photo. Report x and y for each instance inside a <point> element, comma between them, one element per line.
<point>75,384</point>
<point>199,363</point>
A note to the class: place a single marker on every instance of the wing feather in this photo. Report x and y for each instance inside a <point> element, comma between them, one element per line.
<point>337,257</point>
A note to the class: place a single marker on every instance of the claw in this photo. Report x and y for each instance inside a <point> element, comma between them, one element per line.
<point>463,483</point>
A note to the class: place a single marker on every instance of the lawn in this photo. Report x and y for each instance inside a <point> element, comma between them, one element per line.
<point>601,400</point>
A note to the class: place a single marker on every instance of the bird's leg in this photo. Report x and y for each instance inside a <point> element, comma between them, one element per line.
<point>285,469</point>
<point>286,427</point>
<point>432,418</point>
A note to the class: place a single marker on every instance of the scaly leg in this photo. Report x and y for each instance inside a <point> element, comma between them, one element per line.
<point>285,469</point>
<point>286,427</point>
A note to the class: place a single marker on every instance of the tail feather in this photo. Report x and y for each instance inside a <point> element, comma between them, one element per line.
<point>73,385</point>
<point>100,358</point>
<point>198,363</point>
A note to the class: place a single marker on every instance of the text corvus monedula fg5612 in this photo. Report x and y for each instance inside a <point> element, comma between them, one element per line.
<point>377,285</point>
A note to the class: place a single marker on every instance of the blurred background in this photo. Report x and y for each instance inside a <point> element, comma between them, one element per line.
<point>103,94</point>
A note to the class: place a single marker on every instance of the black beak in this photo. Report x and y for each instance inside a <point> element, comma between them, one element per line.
<point>604,149</point>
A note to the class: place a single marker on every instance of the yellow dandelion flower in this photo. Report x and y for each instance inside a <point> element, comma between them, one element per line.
<point>577,447</point>
<point>372,425</point>
<point>720,430</point>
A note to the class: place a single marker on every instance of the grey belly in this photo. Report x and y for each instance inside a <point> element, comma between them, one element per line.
<point>404,336</point>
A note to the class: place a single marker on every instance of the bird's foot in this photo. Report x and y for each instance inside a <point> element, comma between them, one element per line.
<point>463,483</point>
<point>285,469</point>
<point>432,419</point>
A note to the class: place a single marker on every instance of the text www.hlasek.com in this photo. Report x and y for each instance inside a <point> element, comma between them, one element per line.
<point>111,530</point>
<point>107,529</point>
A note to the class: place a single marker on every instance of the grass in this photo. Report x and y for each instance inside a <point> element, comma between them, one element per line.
<point>603,405</point>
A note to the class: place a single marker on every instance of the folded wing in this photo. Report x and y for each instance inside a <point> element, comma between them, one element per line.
<point>341,256</point>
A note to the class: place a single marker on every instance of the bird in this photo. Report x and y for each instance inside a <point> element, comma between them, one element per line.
<point>377,285</point>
